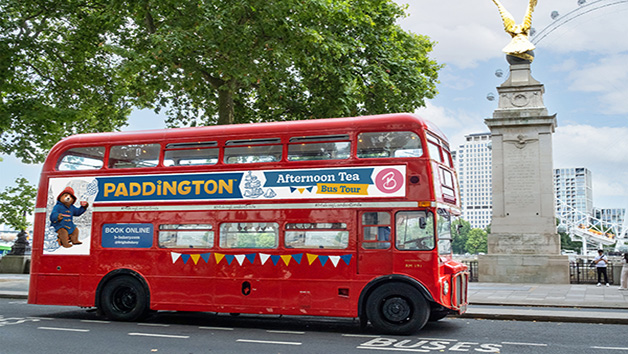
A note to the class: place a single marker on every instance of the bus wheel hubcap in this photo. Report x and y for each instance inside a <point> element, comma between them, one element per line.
<point>396,309</point>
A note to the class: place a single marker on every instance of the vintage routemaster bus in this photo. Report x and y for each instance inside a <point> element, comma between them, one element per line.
<point>346,217</point>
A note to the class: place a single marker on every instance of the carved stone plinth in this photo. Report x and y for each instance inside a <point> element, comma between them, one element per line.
<point>523,246</point>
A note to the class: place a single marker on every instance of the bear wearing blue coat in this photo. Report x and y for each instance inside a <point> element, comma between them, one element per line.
<point>61,218</point>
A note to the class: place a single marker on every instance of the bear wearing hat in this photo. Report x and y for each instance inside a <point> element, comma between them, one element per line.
<point>61,218</point>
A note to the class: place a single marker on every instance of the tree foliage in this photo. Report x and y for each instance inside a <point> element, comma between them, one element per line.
<point>460,235</point>
<point>477,241</point>
<point>17,203</point>
<point>70,66</point>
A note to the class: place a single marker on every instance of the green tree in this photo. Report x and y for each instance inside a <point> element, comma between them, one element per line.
<point>17,203</point>
<point>460,235</point>
<point>70,66</point>
<point>477,241</point>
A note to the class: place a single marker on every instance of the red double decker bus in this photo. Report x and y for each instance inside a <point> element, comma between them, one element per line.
<point>347,217</point>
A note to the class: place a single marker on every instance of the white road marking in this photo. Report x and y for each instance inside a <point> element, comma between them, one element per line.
<point>285,332</point>
<point>396,349</point>
<point>95,321</point>
<point>610,348</point>
<point>447,340</point>
<point>530,344</point>
<point>153,324</point>
<point>361,335</point>
<point>64,329</point>
<point>267,342</point>
<point>217,328</point>
<point>158,335</point>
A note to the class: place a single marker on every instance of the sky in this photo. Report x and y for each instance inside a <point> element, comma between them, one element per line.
<point>581,62</point>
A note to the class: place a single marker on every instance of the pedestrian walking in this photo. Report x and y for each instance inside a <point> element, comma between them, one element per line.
<point>623,284</point>
<point>601,261</point>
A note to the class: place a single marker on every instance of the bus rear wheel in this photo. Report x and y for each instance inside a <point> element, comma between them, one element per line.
<point>397,308</point>
<point>124,299</point>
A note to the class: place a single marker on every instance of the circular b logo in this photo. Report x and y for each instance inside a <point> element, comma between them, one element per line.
<point>389,180</point>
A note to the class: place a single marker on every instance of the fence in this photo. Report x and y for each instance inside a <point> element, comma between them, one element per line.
<point>580,272</point>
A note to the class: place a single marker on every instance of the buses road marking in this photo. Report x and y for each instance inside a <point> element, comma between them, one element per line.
<point>530,344</point>
<point>63,329</point>
<point>267,342</point>
<point>158,335</point>
<point>285,332</point>
<point>610,348</point>
<point>396,349</point>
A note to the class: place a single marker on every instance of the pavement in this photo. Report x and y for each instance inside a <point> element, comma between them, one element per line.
<point>525,302</point>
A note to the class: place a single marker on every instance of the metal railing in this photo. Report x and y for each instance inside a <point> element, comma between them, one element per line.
<point>580,272</point>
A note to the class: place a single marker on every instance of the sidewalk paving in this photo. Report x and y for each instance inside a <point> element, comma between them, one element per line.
<point>526,302</point>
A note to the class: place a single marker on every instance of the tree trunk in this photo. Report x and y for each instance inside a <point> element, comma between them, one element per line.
<point>225,103</point>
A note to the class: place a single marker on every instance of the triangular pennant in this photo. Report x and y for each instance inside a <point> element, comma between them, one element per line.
<point>219,257</point>
<point>323,259</point>
<point>240,258</point>
<point>311,258</point>
<point>292,189</point>
<point>229,258</point>
<point>195,257</point>
<point>309,189</point>
<point>346,258</point>
<point>251,257</point>
<point>175,256</point>
<point>185,258</point>
<point>301,190</point>
<point>206,256</point>
<point>275,259</point>
<point>286,258</point>
<point>263,257</point>
<point>297,257</point>
<point>334,260</point>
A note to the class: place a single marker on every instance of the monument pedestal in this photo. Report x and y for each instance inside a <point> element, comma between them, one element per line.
<point>11,264</point>
<point>523,246</point>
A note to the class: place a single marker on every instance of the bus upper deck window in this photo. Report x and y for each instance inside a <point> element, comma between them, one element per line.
<point>253,150</point>
<point>134,155</point>
<point>85,158</point>
<point>323,147</point>
<point>191,154</point>
<point>433,146</point>
<point>389,144</point>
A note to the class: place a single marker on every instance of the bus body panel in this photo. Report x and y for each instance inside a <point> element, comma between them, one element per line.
<point>275,280</point>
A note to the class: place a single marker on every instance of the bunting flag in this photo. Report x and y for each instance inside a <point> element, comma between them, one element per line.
<point>275,259</point>
<point>229,258</point>
<point>323,259</point>
<point>346,258</point>
<point>286,258</point>
<point>195,258</point>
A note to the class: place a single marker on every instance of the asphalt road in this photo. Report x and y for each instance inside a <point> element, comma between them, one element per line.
<point>54,329</point>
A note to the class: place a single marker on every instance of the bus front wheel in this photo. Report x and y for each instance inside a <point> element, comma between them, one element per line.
<point>397,308</point>
<point>124,299</point>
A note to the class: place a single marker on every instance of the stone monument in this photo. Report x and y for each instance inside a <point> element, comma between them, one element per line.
<point>523,246</point>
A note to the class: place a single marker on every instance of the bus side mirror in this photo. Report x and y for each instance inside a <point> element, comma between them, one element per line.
<point>422,223</point>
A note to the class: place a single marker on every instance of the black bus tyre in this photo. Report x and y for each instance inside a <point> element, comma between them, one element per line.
<point>124,298</point>
<point>397,308</point>
<point>437,315</point>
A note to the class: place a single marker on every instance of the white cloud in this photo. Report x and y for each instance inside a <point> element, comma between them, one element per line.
<point>604,151</point>
<point>454,123</point>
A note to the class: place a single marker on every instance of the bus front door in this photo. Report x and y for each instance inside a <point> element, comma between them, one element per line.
<point>375,243</point>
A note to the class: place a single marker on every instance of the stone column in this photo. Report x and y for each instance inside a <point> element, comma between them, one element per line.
<point>523,246</point>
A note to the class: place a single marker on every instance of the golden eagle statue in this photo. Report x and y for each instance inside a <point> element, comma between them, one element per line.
<point>520,45</point>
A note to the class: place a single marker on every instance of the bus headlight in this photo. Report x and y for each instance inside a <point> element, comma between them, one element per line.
<point>445,287</point>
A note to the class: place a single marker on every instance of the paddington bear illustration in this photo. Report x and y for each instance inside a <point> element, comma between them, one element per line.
<point>61,218</point>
